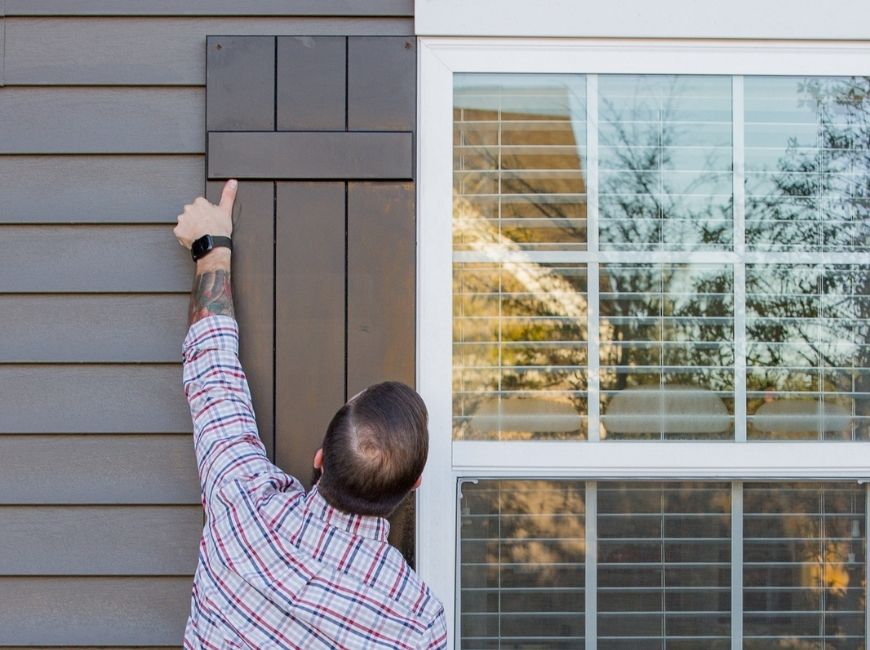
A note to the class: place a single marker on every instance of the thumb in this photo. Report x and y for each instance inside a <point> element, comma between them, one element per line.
<point>228,196</point>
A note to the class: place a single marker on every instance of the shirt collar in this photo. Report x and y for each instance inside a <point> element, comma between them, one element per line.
<point>366,526</point>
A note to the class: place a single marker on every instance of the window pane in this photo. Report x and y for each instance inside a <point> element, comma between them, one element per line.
<point>662,151</point>
<point>519,162</point>
<point>804,566</point>
<point>664,566</point>
<point>808,351</point>
<point>665,152</point>
<point>522,555</point>
<point>519,350</point>
<point>807,163</point>
<point>666,351</point>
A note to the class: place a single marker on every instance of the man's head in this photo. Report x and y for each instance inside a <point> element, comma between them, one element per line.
<point>374,450</point>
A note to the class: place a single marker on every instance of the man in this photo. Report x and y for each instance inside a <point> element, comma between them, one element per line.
<point>279,568</point>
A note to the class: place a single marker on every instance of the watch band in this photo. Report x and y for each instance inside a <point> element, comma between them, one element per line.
<point>207,243</point>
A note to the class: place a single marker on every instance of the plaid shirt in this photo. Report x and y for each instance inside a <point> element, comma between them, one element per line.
<point>279,568</point>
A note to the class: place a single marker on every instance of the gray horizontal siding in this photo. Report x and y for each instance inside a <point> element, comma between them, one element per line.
<point>97,189</point>
<point>148,51</point>
<point>92,399</point>
<point>97,469</point>
<point>99,540</point>
<point>85,259</point>
<point>101,144</point>
<point>123,611</point>
<point>105,328</point>
<point>102,120</point>
<point>338,8</point>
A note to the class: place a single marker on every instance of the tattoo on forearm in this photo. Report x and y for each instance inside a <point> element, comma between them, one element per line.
<point>211,295</point>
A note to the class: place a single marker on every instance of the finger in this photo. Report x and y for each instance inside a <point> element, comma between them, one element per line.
<point>228,196</point>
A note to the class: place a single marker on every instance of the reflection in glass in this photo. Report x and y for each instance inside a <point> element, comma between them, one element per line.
<point>666,351</point>
<point>808,351</point>
<point>522,559</point>
<point>665,170</point>
<point>804,566</point>
<point>519,161</point>
<point>807,163</point>
<point>663,155</point>
<point>519,350</point>
<point>664,566</point>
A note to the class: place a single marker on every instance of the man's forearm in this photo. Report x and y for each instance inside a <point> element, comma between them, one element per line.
<point>212,292</point>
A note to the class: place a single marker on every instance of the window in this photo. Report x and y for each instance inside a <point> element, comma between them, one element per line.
<point>652,359</point>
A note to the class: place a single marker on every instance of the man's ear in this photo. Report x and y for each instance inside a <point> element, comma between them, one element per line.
<point>318,459</point>
<point>418,482</point>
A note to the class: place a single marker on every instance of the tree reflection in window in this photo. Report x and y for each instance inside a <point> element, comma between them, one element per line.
<point>667,330</point>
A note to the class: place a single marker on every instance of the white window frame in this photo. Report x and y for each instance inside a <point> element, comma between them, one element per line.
<point>449,460</point>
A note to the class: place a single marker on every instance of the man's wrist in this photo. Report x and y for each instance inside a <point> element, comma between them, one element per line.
<point>218,259</point>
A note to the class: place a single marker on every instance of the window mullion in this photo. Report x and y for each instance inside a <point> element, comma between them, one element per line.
<point>739,218</point>
<point>593,379</point>
<point>591,568</point>
<point>737,565</point>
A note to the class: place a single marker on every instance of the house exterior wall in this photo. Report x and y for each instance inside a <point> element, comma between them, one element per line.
<point>102,141</point>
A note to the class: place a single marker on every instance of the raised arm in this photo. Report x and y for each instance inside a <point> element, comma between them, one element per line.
<point>225,436</point>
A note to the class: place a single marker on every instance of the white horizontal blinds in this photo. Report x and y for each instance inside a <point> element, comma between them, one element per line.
<point>665,161</point>
<point>808,351</point>
<point>522,558</point>
<point>808,194</point>
<point>519,350</point>
<point>666,351</point>
<point>664,566</point>
<point>520,326</point>
<point>807,163</point>
<point>519,171</point>
<point>804,566</point>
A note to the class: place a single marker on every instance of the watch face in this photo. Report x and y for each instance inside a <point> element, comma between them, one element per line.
<point>201,246</point>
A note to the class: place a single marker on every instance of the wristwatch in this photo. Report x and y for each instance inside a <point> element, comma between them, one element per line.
<point>205,244</point>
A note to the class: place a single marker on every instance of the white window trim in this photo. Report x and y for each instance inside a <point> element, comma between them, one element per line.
<point>449,461</point>
<point>803,19</point>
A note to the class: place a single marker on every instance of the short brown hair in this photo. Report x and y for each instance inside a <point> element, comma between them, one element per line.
<point>374,450</point>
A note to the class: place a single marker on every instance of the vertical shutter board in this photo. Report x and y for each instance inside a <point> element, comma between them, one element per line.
<point>310,319</point>
<point>122,611</point>
<point>311,83</point>
<point>381,259</point>
<point>381,262</point>
<point>253,288</point>
<point>381,92</point>
<point>240,83</point>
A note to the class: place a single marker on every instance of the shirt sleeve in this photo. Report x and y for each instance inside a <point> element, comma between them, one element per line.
<point>225,436</point>
<point>436,638</point>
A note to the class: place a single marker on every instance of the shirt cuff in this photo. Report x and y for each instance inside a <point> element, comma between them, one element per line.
<point>215,332</point>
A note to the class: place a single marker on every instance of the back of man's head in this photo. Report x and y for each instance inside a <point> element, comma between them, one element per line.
<point>375,450</point>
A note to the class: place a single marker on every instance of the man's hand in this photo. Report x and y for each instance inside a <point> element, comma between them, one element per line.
<point>212,293</point>
<point>204,218</point>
